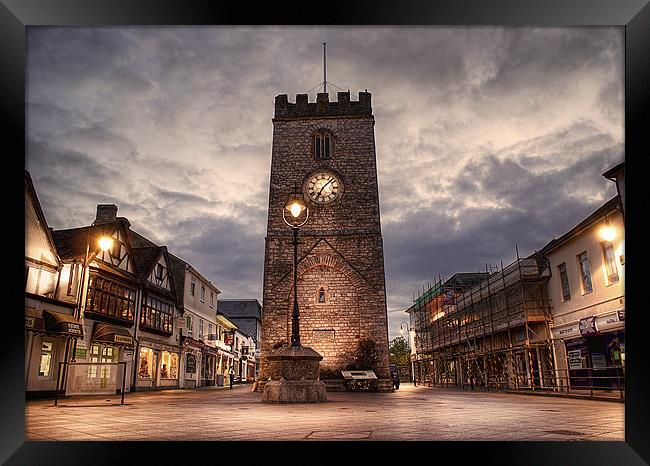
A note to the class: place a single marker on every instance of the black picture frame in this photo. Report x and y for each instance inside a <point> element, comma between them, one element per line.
<point>633,15</point>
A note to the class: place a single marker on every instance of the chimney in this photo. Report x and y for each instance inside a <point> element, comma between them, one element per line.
<point>106,213</point>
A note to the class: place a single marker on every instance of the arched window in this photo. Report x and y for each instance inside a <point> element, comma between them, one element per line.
<point>323,145</point>
<point>321,295</point>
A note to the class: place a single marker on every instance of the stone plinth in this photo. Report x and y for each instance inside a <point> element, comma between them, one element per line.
<point>294,372</point>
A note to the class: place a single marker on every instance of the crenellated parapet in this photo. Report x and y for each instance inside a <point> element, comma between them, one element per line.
<point>322,107</point>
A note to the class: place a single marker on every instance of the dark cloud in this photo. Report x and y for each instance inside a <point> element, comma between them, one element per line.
<point>486,137</point>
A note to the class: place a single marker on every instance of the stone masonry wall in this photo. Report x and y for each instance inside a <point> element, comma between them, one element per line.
<point>341,245</point>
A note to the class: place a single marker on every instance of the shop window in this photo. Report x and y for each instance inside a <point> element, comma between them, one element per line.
<point>169,365</point>
<point>146,361</point>
<point>564,282</point>
<point>45,365</point>
<point>585,273</point>
<point>611,272</point>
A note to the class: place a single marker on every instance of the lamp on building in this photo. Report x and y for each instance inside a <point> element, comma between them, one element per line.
<point>608,232</point>
<point>295,214</point>
<point>401,331</point>
<point>105,243</point>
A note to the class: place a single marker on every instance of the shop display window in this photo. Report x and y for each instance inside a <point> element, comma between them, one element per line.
<point>169,365</point>
<point>146,362</point>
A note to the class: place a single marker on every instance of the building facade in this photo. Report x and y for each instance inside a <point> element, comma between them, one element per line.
<point>588,292</point>
<point>52,325</point>
<point>247,315</point>
<point>487,330</point>
<point>327,150</point>
<point>199,329</point>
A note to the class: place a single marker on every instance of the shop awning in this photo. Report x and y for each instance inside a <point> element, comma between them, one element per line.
<point>58,323</point>
<point>112,335</point>
<point>34,321</point>
<point>209,350</point>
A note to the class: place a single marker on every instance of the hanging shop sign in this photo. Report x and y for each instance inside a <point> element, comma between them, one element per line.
<point>229,338</point>
<point>588,326</point>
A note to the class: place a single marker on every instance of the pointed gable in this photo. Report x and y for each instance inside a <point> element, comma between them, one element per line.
<point>118,255</point>
<point>39,244</point>
<point>160,273</point>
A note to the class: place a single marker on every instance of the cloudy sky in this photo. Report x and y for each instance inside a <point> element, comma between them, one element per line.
<point>486,138</point>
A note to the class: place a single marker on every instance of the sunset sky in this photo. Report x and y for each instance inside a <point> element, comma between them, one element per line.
<point>486,137</point>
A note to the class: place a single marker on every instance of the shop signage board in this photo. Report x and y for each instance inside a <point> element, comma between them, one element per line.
<point>229,338</point>
<point>566,331</point>
<point>123,339</point>
<point>575,359</point>
<point>588,326</point>
<point>610,322</point>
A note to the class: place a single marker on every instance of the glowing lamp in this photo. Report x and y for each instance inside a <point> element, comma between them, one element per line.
<point>105,243</point>
<point>608,233</point>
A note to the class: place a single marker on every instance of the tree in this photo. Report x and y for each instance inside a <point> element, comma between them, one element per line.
<point>400,354</point>
<point>365,357</point>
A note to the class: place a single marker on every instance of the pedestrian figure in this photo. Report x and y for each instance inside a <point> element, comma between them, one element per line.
<point>232,376</point>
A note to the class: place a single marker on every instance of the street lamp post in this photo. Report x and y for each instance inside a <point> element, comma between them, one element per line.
<point>401,331</point>
<point>295,215</point>
<point>293,370</point>
<point>104,243</point>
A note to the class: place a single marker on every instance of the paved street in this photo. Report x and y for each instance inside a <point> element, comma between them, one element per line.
<point>412,413</point>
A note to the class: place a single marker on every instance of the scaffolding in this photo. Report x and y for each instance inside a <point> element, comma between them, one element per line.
<point>487,330</point>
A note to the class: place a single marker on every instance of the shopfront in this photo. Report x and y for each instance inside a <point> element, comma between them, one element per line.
<point>157,366</point>
<point>191,356</point>
<point>49,337</point>
<point>594,351</point>
<point>208,366</point>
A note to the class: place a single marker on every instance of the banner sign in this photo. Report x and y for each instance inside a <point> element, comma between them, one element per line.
<point>449,296</point>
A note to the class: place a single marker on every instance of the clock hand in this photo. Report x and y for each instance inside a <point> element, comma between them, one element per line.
<point>321,189</point>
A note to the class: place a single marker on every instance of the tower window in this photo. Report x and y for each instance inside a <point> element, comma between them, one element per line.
<point>321,295</point>
<point>323,145</point>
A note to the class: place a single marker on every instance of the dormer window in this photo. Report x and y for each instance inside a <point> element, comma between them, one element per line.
<point>323,145</point>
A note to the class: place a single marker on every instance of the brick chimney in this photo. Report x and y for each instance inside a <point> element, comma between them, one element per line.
<point>106,213</point>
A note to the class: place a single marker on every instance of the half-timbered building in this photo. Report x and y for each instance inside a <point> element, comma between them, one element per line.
<point>108,286</point>
<point>157,337</point>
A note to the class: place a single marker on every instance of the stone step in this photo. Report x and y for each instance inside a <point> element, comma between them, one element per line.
<point>334,385</point>
<point>385,385</point>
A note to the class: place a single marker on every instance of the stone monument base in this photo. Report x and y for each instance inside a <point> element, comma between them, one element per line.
<point>294,372</point>
<point>294,391</point>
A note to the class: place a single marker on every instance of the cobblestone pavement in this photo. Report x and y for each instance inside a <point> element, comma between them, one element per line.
<point>411,413</point>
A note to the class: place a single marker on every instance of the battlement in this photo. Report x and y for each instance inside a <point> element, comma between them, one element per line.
<point>322,107</point>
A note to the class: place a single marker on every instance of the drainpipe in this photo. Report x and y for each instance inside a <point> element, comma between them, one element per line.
<point>138,307</point>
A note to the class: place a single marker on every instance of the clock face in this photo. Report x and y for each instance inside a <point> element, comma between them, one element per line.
<point>323,187</point>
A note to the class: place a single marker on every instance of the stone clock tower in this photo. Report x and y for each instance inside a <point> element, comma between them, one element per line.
<point>328,150</point>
